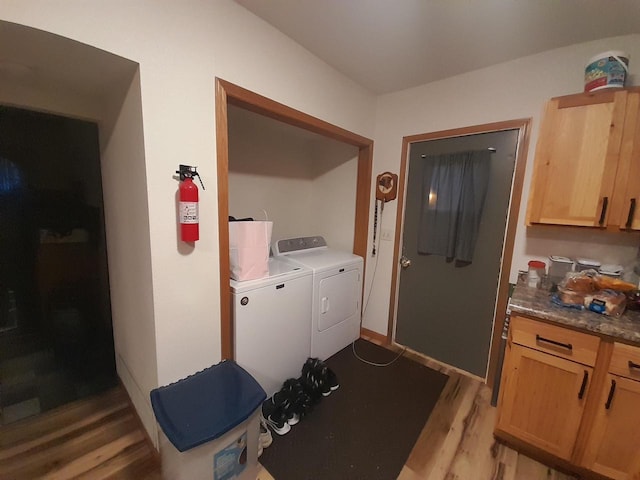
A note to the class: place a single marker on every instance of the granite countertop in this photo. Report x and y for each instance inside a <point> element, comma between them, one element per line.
<point>537,303</point>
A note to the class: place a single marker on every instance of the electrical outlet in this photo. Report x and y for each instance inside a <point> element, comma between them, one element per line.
<point>387,234</point>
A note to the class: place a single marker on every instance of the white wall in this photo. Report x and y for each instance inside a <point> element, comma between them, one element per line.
<point>59,101</point>
<point>516,89</point>
<point>333,197</point>
<point>304,182</point>
<point>181,47</point>
<point>129,257</point>
<point>117,111</point>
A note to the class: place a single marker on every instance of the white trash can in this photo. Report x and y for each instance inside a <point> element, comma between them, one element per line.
<point>210,424</point>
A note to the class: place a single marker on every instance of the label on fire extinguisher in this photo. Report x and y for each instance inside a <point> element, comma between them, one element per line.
<point>188,212</point>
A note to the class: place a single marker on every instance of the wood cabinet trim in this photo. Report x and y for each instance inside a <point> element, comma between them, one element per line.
<point>591,98</point>
<point>620,361</point>
<point>546,457</point>
<point>582,99</point>
<point>546,337</point>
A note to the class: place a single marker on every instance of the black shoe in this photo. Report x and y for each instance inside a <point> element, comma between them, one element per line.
<point>287,396</point>
<point>275,417</point>
<point>311,379</point>
<point>330,383</point>
<point>286,399</point>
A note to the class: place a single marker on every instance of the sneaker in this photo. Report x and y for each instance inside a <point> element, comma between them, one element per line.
<point>291,399</point>
<point>277,421</point>
<point>301,405</point>
<point>293,418</point>
<point>312,379</point>
<point>264,439</point>
<point>275,417</point>
<point>331,381</point>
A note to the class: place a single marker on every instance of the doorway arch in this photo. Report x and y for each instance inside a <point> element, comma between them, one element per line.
<point>228,93</point>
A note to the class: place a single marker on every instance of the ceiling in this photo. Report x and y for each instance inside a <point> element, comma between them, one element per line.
<point>390,45</point>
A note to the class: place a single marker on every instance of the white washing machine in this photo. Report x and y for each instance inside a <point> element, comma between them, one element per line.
<point>272,321</point>
<point>337,292</point>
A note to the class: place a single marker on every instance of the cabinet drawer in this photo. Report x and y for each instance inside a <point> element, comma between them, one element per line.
<point>625,361</point>
<point>561,342</point>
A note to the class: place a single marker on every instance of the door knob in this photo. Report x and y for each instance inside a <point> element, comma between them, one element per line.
<point>405,262</point>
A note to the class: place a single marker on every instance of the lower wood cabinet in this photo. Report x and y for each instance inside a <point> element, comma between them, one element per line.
<point>571,395</point>
<point>543,399</point>
<point>613,446</point>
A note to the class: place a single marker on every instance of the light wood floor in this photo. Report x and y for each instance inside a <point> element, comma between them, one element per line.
<point>95,438</point>
<point>457,441</point>
<point>100,438</point>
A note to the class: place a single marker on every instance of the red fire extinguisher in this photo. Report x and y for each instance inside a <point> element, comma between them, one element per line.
<point>188,209</point>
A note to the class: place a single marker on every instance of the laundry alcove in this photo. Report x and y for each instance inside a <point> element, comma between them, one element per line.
<point>300,180</point>
<point>334,189</point>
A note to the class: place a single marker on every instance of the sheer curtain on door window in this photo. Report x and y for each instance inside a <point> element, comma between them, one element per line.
<point>454,190</point>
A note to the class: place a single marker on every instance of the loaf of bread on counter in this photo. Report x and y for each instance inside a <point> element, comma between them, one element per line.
<point>582,282</point>
<point>570,297</point>
<point>607,302</point>
<point>609,283</point>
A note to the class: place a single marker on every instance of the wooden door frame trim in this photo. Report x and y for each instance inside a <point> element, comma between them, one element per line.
<point>523,126</point>
<point>228,93</point>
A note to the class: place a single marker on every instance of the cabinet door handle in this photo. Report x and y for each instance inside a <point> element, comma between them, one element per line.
<point>568,346</point>
<point>633,365</point>
<point>610,397</point>
<point>632,212</point>
<point>605,204</point>
<point>583,387</point>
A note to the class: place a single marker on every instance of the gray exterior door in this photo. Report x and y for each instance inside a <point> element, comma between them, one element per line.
<point>446,312</point>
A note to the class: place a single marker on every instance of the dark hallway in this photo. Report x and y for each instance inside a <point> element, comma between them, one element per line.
<point>56,340</point>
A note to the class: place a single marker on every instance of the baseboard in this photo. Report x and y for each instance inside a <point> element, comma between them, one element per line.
<point>544,457</point>
<point>374,337</point>
<point>141,402</point>
<point>154,449</point>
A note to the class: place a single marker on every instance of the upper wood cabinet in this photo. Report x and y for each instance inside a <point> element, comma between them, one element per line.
<point>625,210</point>
<point>587,165</point>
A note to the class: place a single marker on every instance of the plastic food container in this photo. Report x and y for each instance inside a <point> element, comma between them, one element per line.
<point>614,271</point>
<point>587,264</point>
<point>559,267</point>
<point>606,70</point>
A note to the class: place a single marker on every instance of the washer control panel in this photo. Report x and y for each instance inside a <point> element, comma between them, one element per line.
<point>290,245</point>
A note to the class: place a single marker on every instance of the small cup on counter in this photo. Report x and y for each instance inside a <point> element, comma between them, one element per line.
<point>536,274</point>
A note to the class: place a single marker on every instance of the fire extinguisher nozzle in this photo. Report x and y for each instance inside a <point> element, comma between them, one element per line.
<point>200,180</point>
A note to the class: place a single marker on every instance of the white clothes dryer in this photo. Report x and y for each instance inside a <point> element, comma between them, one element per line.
<point>272,321</point>
<point>337,292</point>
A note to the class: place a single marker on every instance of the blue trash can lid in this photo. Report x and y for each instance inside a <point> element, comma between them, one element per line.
<point>206,405</point>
